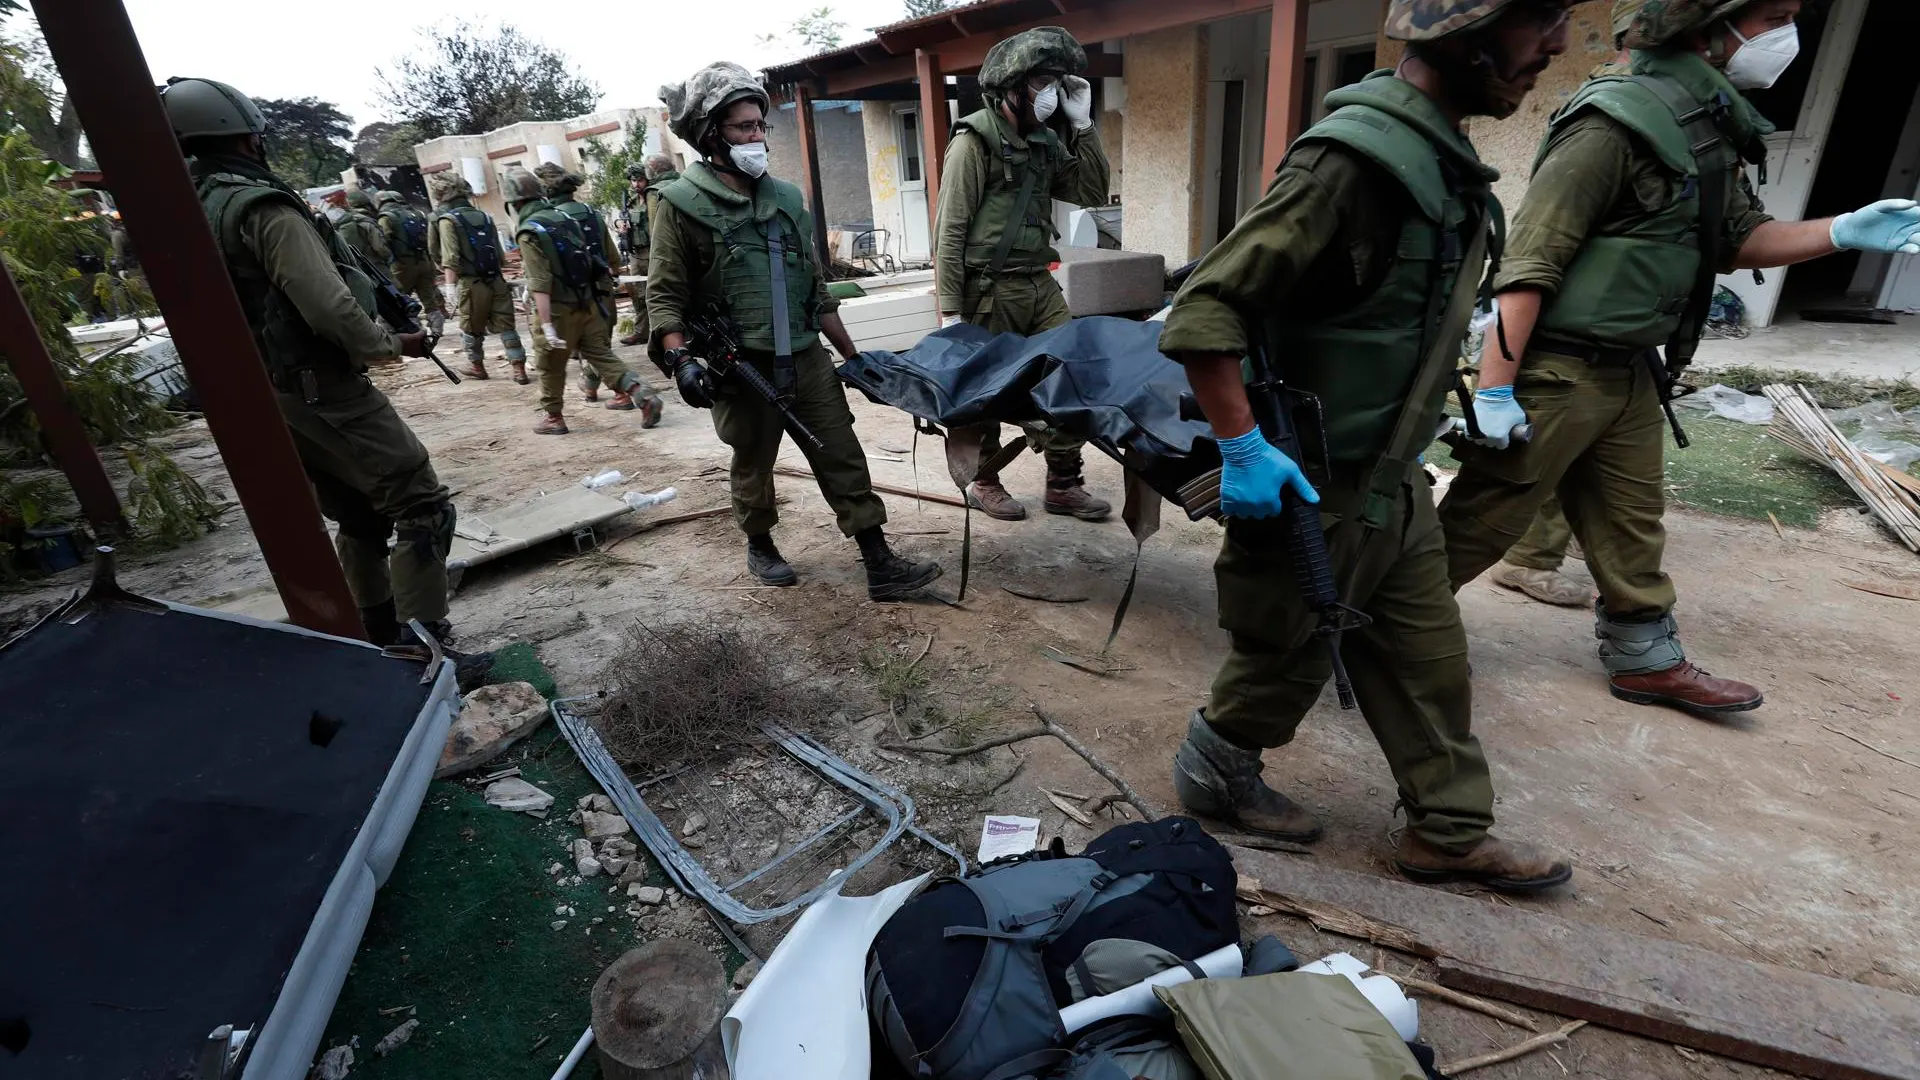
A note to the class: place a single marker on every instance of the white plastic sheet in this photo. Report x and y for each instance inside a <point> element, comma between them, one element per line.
<point>1139,999</point>
<point>1732,404</point>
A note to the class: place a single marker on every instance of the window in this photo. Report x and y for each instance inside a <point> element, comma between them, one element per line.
<point>910,147</point>
<point>1310,99</point>
<point>1352,64</point>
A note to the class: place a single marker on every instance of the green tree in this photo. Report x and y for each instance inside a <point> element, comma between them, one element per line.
<point>819,28</point>
<point>609,177</point>
<point>307,139</point>
<point>384,143</point>
<point>32,97</point>
<point>920,9</point>
<point>469,80</point>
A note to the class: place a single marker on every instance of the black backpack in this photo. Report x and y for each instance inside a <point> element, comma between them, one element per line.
<point>967,980</point>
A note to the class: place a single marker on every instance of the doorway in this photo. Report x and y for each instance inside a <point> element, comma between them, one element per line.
<point>916,234</point>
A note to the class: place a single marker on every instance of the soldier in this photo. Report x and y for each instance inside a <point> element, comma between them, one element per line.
<point>770,287</point>
<point>311,311</point>
<point>1034,141</point>
<point>566,262</point>
<point>361,230</point>
<point>1605,265</point>
<point>1379,216</point>
<point>405,230</point>
<point>463,243</point>
<point>636,229</point>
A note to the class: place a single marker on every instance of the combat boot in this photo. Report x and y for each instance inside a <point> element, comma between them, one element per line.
<point>520,372</point>
<point>622,401</point>
<point>1686,687</point>
<point>475,370</point>
<point>381,623</point>
<point>990,498</point>
<point>631,339</point>
<point>651,407</point>
<point>1217,779</point>
<point>470,670</point>
<point>551,424</point>
<point>1067,492</point>
<point>1501,865</point>
<point>591,390</point>
<point>1546,586</point>
<point>765,562</point>
<point>890,577</point>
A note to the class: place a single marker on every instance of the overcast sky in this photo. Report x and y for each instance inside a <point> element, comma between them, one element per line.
<point>329,50</point>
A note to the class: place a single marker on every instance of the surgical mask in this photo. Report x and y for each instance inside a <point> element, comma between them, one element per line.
<point>1045,102</point>
<point>1760,61</point>
<point>749,158</point>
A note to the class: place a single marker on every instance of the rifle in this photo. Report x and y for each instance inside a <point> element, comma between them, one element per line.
<point>714,339</point>
<point>1667,384</point>
<point>1300,520</point>
<point>397,309</point>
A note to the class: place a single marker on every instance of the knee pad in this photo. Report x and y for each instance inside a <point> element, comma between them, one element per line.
<point>1636,648</point>
<point>366,528</point>
<point>428,528</point>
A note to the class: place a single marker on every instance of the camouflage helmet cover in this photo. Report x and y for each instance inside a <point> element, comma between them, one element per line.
<point>1043,48</point>
<point>1624,13</point>
<point>555,180</point>
<point>636,172</point>
<point>691,105</point>
<point>1431,20</point>
<point>386,198</point>
<point>519,185</point>
<point>1662,22</point>
<point>448,184</point>
<point>659,165</point>
<point>358,199</point>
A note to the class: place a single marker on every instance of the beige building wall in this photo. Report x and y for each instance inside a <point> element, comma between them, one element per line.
<point>1164,148</point>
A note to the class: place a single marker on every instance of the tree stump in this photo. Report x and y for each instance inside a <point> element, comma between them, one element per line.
<point>656,1014</point>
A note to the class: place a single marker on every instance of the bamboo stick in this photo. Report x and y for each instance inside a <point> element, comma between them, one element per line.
<point>1889,502</point>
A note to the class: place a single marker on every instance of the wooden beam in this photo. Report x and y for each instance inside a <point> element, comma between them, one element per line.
<point>1286,82</point>
<point>506,151</point>
<point>810,172</point>
<point>933,130</point>
<point>1101,22</point>
<point>599,129</point>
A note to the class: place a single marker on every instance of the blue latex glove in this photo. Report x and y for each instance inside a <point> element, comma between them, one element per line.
<point>1254,477</point>
<point>1890,225</point>
<point>1497,414</point>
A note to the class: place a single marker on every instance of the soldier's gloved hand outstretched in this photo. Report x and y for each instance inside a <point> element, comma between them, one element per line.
<point>1890,225</point>
<point>693,379</point>
<point>1076,100</point>
<point>1497,414</point>
<point>1255,476</point>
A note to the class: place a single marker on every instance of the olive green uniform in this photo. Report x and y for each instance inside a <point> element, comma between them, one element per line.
<point>1341,261</point>
<point>484,300</point>
<point>1544,547</point>
<point>686,269</point>
<point>987,166</point>
<point>581,310</point>
<point>590,367</point>
<point>362,232</point>
<point>412,267</point>
<point>1605,232</point>
<point>370,472</point>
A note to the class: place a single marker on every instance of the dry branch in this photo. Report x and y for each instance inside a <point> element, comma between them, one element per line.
<point>1336,920</point>
<point>1538,1042</point>
<point>1466,1001</point>
<point>1047,727</point>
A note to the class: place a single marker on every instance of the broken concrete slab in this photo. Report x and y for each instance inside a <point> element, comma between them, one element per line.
<point>599,826</point>
<point>491,719</point>
<point>596,802</point>
<point>635,870</point>
<point>618,848</point>
<point>614,865</point>
<point>584,862</point>
<point>516,794</point>
<point>650,895</point>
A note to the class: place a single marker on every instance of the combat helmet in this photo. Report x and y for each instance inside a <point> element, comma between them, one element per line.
<point>1431,20</point>
<point>1043,48</point>
<point>692,105</point>
<point>637,172</point>
<point>1624,13</point>
<point>517,185</point>
<point>1662,22</point>
<point>385,199</point>
<point>556,180</point>
<point>358,199</point>
<point>202,107</point>
<point>659,165</point>
<point>448,185</point>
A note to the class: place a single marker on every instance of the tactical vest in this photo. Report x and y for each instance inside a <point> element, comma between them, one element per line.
<point>1362,362</point>
<point>574,268</point>
<point>362,231</point>
<point>1019,181</point>
<point>593,228</point>
<point>478,254</point>
<point>1630,289</point>
<point>408,232</point>
<point>639,220</point>
<point>742,273</point>
<point>286,342</point>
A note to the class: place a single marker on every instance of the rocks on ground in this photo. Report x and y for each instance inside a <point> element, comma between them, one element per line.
<point>491,719</point>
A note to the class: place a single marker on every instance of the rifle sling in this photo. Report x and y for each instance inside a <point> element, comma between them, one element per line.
<point>1714,162</point>
<point>783,367</point>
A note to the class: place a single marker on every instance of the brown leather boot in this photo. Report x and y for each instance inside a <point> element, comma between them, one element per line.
<point>1686,687</point>
<point>1076,500</point>
<point>520,374</point>
<point>988,497</point>
<point>651,407</point>
<point>622,401</point>
<point>591,390</point>
<point>551,424</point>
<point>474,371</point>
<point>1501,865</point>
<point>631,339</point>
<point>1546,586</point>
<point>1218,779</point>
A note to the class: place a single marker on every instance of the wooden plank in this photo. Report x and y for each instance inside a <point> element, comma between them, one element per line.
<point>1286,81</point>
<point>1760,1013</point>
<point>933,129</point>
<point>810,168</point>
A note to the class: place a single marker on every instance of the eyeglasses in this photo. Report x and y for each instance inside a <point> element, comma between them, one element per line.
<point>749,127</point>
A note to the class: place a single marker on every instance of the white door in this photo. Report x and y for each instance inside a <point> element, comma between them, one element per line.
<point>915,235</point>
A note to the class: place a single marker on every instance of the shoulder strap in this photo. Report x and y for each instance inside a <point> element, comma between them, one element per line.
<point>1715,161</point>
<point>1029,180</point>
<point>783,366</point>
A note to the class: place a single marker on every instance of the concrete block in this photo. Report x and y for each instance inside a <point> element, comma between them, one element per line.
<point>1098,281</point>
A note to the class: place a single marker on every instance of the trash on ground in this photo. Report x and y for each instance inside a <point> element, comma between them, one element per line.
<point>395,1039</point>
<point>1806,428</point>
<point>516,794</point>
<point>596,481</point>
<point>1731,404</point>
<point>1002,835</point>
<point>641,500</point>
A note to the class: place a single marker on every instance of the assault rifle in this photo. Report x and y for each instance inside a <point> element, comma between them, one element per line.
<point>1666,382</point>
<point>713,337</point>
<point>1276,405</point>
<point>397,309</point>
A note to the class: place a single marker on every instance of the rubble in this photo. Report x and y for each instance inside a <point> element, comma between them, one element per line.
<point>584,862</point>
<point>650,895</point>
<point>695,822</point>
<point>395,1039</point>
<point>491,719</point>
<point>598,803</point>
<point>614,865</point>
<point>635,870</point>
<point>334,1064</point>
<point>517,795</point>
<point>599,826</point>
<point>745,976</point>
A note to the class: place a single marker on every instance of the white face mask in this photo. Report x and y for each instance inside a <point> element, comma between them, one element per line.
<point>1759,62</point>
<point>1045,102</point>
<point>749,158</point>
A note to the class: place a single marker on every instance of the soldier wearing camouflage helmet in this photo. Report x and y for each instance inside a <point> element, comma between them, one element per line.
<point>463,242</point>
<point>1640,195</point>
<point>406,231</point>
<point>1032,142</point>
<point>1380,215</point>
<point>312,314</point>
<point>635,227</point>
<point>729,238</point>
<point>575,321</point>
<point>361,230</point>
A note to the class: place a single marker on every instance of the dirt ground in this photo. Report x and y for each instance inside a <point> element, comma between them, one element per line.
<point>1786,835</point>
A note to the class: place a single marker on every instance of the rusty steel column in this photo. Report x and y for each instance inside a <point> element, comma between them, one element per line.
<point>933,131</point>
<point>1286,82</point>
<point>810,173</point>
<point>65,433</point>
<point>93,45</point>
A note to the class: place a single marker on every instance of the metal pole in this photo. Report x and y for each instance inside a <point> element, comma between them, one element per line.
<point>65,433</point>
<point>93,45</point>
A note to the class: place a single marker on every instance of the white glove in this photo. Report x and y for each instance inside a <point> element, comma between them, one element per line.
<point>949,320</point>
<point>1076,98</point>
<point>451,295</point>
<point>553,336</point>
